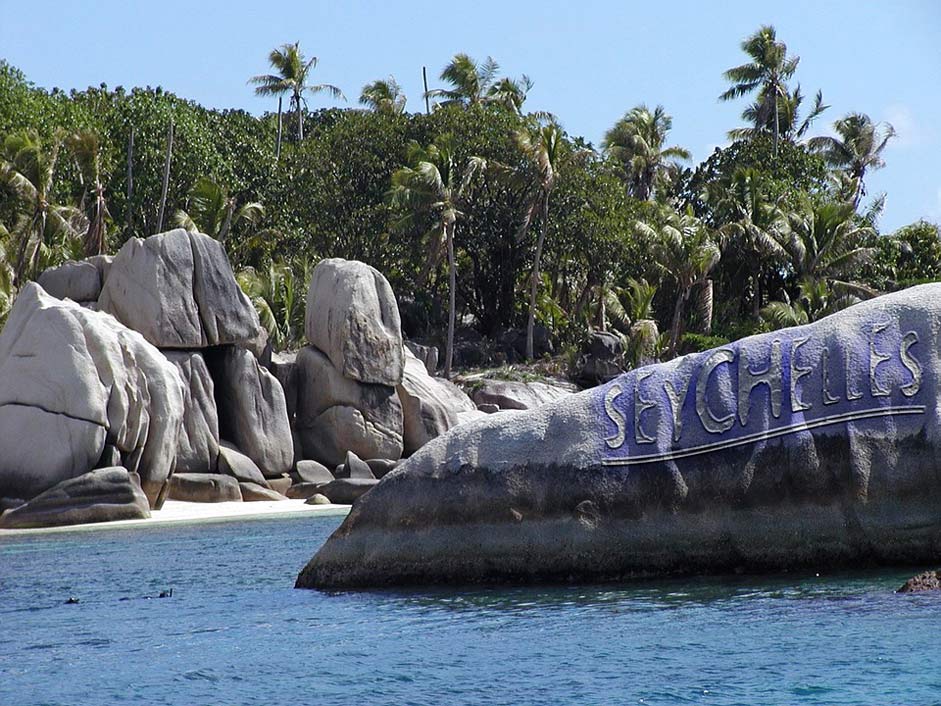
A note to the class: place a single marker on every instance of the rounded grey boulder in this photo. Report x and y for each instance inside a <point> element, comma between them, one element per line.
<point>102,495</point>
<point>813,446</point>
<point>352,316</point>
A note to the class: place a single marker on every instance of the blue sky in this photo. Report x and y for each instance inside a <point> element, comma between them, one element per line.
<point>591,61</point>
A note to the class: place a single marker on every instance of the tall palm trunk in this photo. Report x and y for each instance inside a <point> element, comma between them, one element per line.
<point>300,117</point>
<point>452,298</point>
<point>534,284</point>
<point>227,223</point>
<point>677,321</point>
<point>277,149</point>
<point>777,123</point>
<point>95,235</point>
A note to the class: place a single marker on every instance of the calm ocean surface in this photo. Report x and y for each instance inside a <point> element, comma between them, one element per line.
<point>236,632</point>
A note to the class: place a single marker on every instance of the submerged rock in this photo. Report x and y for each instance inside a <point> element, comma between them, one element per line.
<point>72,381</point>
<point>928,581</point>
<point>102,495</point>
<point>353,318</point>
<point>817,445</point>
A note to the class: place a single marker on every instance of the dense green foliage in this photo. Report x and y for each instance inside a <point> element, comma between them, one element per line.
<point>764,232</point>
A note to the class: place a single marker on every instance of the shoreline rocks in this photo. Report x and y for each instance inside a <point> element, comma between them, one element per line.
<point>805,446</point>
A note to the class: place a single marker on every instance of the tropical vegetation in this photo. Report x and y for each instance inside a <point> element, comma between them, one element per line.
<point>486,218</point>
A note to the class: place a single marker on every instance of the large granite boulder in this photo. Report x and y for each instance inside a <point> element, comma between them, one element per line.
<point>204,488</point>
<point>72,381</point>
<point>198,447</point>
<point>234,463</point>
<point>336,414</point>
<point>806,447</point>
<point>102,495</point>
<point>511,394</point>
<point>178,290</point>
<point>430,405</point>
<point>252,410</point>
<point>79,281</point>
<point>353,318</point>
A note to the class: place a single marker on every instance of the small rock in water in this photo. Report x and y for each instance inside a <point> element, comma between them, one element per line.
<point>928,581</point>
<point>72,600</point>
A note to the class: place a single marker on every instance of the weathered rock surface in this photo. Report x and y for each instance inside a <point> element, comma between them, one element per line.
<point>280,484</point>
<point>253,492</point>
<point>353,318</point>
<point>178,290</point>
<point>381,466</point>
<point>252,410</point>
<point>336,414</point>
<point>102,495</point>
<point>72,381</point>
<point>204,488</point>
<point>345,491</point>
<point>927,581</point>
<point>509,394</point>
<point>354,467</point>
<point>284,367</point>
<point>236,464</point>
<point>430,405</point>
<point>428,355</point>
<point>601,359</point>
<point>312,472</point>
<point>79,281</point>
<point>198,447</point>
<point>318,499</point>
<point>302,491</point>
<point>813,446</point>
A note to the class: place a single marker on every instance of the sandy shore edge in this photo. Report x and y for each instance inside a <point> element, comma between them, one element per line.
<point>177,512</point>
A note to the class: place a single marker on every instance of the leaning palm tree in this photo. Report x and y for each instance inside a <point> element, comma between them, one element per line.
<point>213,212</point>
<point>383,96</point>
<point>27,169</point>
<point>767,73</point>
<point>685,252</point>
<point>857,149</point>
<point>85,146</point>
<point>436,184</point>
<point>292,69</point>
<point>636,142</point>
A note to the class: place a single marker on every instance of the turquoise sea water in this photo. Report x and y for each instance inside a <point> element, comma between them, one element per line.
<point>236,632</point>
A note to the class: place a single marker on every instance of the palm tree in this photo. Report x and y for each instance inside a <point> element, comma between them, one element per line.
<point>383,96</point>
<point>475,84</point>
<point>823,242</point>
<point>277,293</point>
<point>546,153</point>
<point>85,146</point>
<point>767,72</point>
<point>213,212</point>
<point>637,143</point>
<point>814,301</point>
<point>436,184</point>
<point>292,68</point>
<point>686,253</point>
<point>789,123</point>
<point>27,169</point>
<point>751,220</point>
<point>857,150</point>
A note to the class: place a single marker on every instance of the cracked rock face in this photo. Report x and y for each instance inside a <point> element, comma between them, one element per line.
<point>336,414</point>
<point>72,381</point>
<point>813,446</point>
<point>430,405</point>
<point>178,290</point>
<point>352,316</point>
<point>198,447</point>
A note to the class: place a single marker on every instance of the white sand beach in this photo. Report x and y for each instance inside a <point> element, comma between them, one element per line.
<point>177,512</point>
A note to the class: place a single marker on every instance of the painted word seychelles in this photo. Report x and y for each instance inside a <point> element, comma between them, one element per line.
<point>761,388</point>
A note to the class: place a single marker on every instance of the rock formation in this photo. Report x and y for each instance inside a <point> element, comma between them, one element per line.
<point>72,381</point>
<point>813,446</point>
<point>102,495</point>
